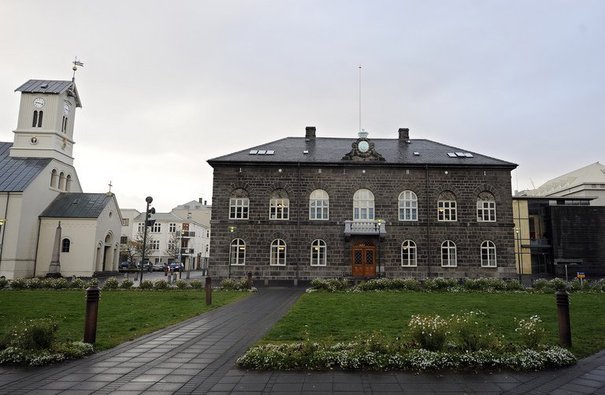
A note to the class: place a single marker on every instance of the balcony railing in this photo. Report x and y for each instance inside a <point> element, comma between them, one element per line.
<point>187,251</point>
<point>185,233</point>
<point>370,227</point>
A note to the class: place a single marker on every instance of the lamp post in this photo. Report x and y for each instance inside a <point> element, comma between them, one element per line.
<point>517,232</point>
<point>377,225</point>
<point>148,212</point>
<point>232,230</point>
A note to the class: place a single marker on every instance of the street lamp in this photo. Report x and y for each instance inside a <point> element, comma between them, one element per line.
<point>232,230</point>
<point>377,226</point>
<point>519,256</point>
<point>148,212</point>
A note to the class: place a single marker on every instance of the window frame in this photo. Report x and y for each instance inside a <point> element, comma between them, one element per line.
<point>279,206</point>
<point>239,208</point>
<point>361,203</point>
<point>319,205</point>
<point>485,213</point>
<point>65,245</point>
<point>275,254</point>
<point>408,206</point>
<point>489,248</point>
<point>449,250</point>
<point>237,249</point>
<point>411,256</point>
<point>157,227</point>
<point>447,210</point>
<point>319,248</point>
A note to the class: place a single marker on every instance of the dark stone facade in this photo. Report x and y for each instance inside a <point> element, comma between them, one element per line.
<point>340,181</point>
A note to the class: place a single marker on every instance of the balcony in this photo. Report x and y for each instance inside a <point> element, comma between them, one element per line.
<point>185,233</point>
<point>365,228</point>
<point>187,251</point>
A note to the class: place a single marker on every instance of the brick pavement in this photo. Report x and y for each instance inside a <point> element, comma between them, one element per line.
<point>197,356</point>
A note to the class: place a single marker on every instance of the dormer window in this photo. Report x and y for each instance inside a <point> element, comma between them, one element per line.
<point>37,119</point>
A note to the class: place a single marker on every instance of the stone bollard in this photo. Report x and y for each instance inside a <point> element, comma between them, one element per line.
<point>93,294</point>
<point>208,288</point>
<point>563,318</point>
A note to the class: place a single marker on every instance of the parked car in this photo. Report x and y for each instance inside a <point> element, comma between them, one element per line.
<point>124,265</point>
<point>147,266</point>
<point>176,266</point>
<point>157,267</point>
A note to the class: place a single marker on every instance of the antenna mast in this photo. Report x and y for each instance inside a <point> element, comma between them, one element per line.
<point>360,98</point>
<point>76,63</point>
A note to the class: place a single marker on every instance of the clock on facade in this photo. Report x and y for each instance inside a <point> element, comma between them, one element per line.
<point>39,102</point>
<point>363,146</point>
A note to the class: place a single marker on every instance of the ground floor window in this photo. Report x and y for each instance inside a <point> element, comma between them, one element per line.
<point>448,254</point>
<point>488,254</point>
<point>238,252</point>
<point>278,253</point>
<point>318,253</point>
<point>408,253</point>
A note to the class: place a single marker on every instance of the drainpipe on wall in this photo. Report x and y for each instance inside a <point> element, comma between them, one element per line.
<point>298,204</point>
<point>37,245</point>
<point>428,219</point>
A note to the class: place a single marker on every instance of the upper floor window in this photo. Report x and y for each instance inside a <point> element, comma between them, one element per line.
<point>62,181</point>
<point>37,119</point>
<point>64,124</point>
<point>65,245</point>
<point>318,253</point>
<point>125,221</point>
<point>278,253</point>
<point>123,239</point>
<point>141,227</point>
<point>488,254</point>
<point>408,253</point>
<point>486,207</point>
<point>363,205</point>
<point>448,254</point>
<point>154,245</point>
<point>239,205</point>
<point>237,252</point>
<point>408,206</point>
<point>68,183</point>
<point>279,205</point>
<point>446,207</point>
<point>172,228</point>
<point>157,227</point>
<point>319,205</point>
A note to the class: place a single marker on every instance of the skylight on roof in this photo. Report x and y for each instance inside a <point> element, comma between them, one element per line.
<point>416,153</point>
<point>270,152</point>
<point>451,154</point>
<point>468,155</point>
<point>253,152</point>
<point>262,152</point>
<point>460,155</point>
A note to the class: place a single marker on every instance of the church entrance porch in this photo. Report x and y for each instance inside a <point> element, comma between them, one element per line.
<point>363,260</point>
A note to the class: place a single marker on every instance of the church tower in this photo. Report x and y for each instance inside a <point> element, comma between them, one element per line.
<point>46,120</point>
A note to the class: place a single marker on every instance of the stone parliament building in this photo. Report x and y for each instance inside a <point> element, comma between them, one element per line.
<point>307,207</point>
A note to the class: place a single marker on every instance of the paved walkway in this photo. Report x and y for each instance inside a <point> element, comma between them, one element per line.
<point>197,356</point>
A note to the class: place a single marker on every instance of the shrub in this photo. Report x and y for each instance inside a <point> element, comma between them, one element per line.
<point>35,334</point>
<point>57,283</point>
<point>428,331</point>
<point>146,284</point>
<point>111,283</point>
<point>485,284</point>
<point>3,283</point>
<point>330,284</point>
<point>389,284</point>
<point>160,285</point>
<point>440,284</point>
<point>230,284</point>
<point>472,333</point>
<point>181,284</point>
<point>19,283</point>
<point>531,331</point>
<point>196,284</point>
<point>126,284</point>
<point>514,285</point>
<point>78,283</point>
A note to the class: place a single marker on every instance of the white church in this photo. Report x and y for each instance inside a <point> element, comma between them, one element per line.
<point>48,226</point>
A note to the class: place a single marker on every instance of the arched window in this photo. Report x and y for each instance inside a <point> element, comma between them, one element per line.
<point>448,254</point>
<point>65,245</point>
<point>363,205</point>
<point>446,207</point>
<point>279,205</point>
<point>62,181</point>
<point>408,253</point>
<point>239,205</point>
<point>37,119</point>
<point>68,183</point>
<point>54,179</point>
<point>486,207</point>
<point>488,254</point>
<point>237,256</point>
<point>319,205</point>
<point>408,206</point>
<point>278,253</point>
<point>318,253</point>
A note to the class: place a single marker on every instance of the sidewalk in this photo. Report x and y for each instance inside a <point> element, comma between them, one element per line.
<point>198,356</point>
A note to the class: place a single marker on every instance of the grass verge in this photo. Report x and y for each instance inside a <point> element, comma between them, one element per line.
<point>123,315</point>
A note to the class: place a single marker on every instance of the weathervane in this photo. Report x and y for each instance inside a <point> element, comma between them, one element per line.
<point>76,63</point>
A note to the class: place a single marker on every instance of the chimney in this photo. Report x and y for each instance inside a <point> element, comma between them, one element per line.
<point>310,133</point>
<point>205,202</point>
<point>404,134</point>
<point>200,200</point>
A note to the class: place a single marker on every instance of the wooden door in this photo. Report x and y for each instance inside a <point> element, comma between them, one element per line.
<point>364,260</point>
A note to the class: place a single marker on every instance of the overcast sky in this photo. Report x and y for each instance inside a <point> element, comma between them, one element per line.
<point>169,84</point>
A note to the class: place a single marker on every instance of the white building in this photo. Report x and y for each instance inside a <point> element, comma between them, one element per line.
<point>199,211</point>
<point>36,174</point>
<point>588,181</point>
<point>171,238</point>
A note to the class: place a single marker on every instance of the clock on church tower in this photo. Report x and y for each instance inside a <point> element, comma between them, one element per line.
<point>46,120</point>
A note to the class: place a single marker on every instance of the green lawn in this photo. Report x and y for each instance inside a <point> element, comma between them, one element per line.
<point>343,316</point>
<point>123,315</point>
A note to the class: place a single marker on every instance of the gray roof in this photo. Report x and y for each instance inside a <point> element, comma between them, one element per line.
<point>52,87</point>
<point>17,173</point>
<point>417,152</point>
<point>77,205</point>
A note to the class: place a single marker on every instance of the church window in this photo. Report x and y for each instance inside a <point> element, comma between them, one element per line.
<point>64,124</point>
<point>62,181</point>
<point>68,183</point>
<point>54,179</point>
<point>65,245</point>
<point>37,119</point>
